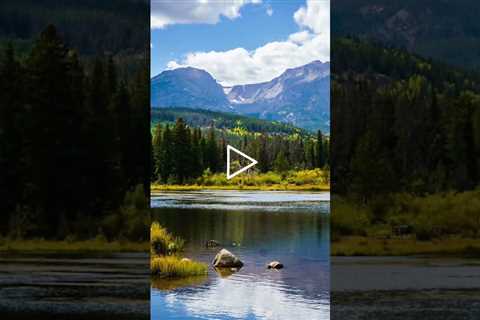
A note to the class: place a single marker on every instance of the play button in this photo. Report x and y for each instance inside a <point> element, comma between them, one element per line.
<point>252,162</point>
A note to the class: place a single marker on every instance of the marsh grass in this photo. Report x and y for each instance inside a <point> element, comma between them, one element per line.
<point>165,261</point>
<point>175,267</point>
<point>162,242</point>
<point>366,246</point>
<point>299,180</point>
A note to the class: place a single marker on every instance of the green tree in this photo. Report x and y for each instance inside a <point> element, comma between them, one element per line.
<point>182,151</point>
<point>281,164</point>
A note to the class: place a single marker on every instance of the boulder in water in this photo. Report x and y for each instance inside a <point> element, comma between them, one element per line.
<point>275,265</point>
<point>212,244</point>
<point>226,259</point>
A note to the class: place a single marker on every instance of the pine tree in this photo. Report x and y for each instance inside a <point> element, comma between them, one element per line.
<point>263,160</point>
<point>157,144</point>
<point>320,152</point>
<point>11,135</point>
<point>281,164</point>
<point>166,164</point>
<point>181,156</point>
<point>196,153</point>
<point>211,150</point>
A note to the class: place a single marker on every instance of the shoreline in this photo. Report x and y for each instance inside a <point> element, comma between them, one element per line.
<point>276,187</point>
<point>71,247</point>
<point>372,247</point>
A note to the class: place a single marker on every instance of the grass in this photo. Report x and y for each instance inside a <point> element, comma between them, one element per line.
<point>279,187</point>
<point>86,246</point>
<point>437,224</point>
<point>294,180</point>
<point>175,267</point>
<point>366,246</point>
<point>165,261</point>
<point>162,242</point>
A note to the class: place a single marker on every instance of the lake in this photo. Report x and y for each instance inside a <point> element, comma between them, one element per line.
<point>74,286</point>
<point>391,288</point>
<point>258,227</point>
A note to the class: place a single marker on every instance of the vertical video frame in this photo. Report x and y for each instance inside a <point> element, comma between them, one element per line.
<point>240,123</point>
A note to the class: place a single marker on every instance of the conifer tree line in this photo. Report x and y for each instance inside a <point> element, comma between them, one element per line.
<point>72,140</point>
<point>402,123</point>
<point>182,153</point>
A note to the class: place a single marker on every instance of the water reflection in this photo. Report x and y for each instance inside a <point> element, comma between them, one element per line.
<point>242,297</point>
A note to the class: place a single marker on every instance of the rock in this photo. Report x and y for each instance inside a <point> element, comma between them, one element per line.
<point>185,260</point>
<point>226,259</point>
<point>275,265</point>
<point>212,244</point>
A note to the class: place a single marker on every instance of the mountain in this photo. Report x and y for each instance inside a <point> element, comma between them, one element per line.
<point>446,30</point>
<point>187,87</point>
<point>299,96</point>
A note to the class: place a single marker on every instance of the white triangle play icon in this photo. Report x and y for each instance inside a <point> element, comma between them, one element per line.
<point>253,162</point>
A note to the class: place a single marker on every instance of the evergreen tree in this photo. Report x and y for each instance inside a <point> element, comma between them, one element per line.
<point>181,155</point>
<point>11,135</point>
<point>281,164</point>
<point>320,152</point>
<point>166,164</point>
<point>211,151</point>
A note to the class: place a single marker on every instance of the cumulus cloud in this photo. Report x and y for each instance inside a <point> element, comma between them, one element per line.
<point>240,66</point>
<point>168,12</point>
<point>315,16</point>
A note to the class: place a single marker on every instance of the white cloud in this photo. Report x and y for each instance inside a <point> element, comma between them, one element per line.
<point>169,12</point>
<point>300,37</point>
<point>269,11</point>
<point>240,66</point>
<point>315,16</point>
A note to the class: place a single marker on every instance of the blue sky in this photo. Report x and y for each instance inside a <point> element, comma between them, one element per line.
<point>241,41</point>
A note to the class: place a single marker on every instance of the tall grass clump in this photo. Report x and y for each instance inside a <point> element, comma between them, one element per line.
<point>162,242</point>
<point>165,260</point>
<point>175,267</point>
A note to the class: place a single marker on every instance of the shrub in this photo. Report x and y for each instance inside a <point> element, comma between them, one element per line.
<point>131,221</point>
<point>304,177</point>
<point>348,218</point>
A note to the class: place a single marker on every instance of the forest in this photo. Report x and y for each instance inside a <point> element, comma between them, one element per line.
<point>222,120</point>
<point>403,126</point>
<point>74,161</point>
<point>430,28</point>
<point>183,153</point>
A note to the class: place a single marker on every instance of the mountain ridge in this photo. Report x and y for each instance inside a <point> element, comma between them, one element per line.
<point>299,96</point>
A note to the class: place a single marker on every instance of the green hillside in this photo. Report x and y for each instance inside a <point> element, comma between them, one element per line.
<point>223,121</point>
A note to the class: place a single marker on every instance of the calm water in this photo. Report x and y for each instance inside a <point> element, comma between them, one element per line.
<point>73,286</point>
<point>258,227</point>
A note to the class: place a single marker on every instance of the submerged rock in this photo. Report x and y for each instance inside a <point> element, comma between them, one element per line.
<point>226,272</point>
<point>275,265</point>
<point>212,244</point>
<point>226,259</point>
